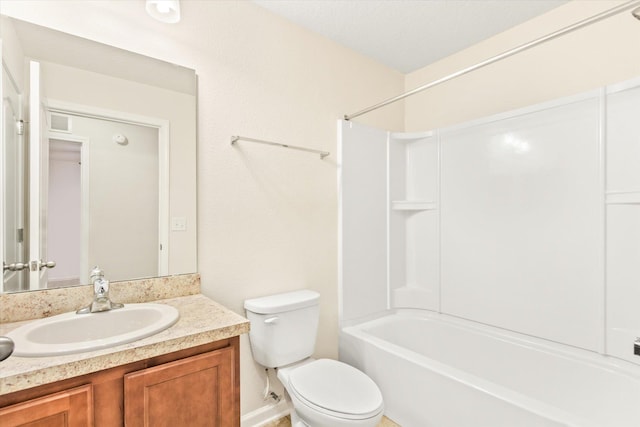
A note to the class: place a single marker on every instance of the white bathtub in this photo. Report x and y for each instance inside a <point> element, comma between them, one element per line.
<point>439,371</point>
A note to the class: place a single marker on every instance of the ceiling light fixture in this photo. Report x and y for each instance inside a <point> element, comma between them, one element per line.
<point>164,10</point>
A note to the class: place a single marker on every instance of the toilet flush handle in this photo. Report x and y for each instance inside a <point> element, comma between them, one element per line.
<point>272,320</point>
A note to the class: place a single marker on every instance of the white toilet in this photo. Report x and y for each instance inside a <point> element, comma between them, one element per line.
<point>324,393</point>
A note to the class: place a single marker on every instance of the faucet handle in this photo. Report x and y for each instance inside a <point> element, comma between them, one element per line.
<point>96,273</point>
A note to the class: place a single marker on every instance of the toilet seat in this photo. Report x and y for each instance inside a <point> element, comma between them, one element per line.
<point>336,389</point>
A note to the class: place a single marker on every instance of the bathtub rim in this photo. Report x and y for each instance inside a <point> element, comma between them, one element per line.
<point>513,397</point>
<point>566,351</point>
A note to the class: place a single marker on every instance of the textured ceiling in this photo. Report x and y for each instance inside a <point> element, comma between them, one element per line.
<point>408,34</point>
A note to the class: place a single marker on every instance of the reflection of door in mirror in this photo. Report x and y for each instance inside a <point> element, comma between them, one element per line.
<point>12,205</point>
<point>106,83</point>
<point>38,172</point>
<point>103,201</point>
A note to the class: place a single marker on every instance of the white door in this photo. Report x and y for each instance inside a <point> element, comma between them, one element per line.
<point>12,205</point>
<point>38,182</point>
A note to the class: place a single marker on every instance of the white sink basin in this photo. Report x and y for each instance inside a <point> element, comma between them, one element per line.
<point>75,333</point>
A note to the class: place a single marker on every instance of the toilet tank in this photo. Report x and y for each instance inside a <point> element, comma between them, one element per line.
<point>283,327</point>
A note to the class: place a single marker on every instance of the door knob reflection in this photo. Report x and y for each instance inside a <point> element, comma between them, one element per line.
<point>16,266</point>
<point>48,264</point>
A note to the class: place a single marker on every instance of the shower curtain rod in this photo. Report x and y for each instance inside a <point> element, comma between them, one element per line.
<point>236,138</point>
<point>595,18</point>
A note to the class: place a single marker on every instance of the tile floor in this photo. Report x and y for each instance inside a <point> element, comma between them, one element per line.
<point>386,422</point>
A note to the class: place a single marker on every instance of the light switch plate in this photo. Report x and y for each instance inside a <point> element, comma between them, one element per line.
<point>178,223</point>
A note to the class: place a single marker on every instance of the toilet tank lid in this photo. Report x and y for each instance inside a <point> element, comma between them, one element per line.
<point>279,303</point>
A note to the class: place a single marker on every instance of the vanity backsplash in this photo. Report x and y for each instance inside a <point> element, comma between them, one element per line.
<point>16,307</point>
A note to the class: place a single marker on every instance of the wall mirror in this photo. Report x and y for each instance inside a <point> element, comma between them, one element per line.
<point>98,161</point>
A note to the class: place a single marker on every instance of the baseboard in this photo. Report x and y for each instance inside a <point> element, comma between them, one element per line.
<point>265,415</point>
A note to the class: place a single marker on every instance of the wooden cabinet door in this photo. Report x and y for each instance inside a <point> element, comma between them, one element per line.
<point>69,408</point>
<point>197,391</point>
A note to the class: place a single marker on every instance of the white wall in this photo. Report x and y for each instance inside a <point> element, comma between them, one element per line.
<point>12,54</point>
<point>597,55</point>
<point>267,218</point>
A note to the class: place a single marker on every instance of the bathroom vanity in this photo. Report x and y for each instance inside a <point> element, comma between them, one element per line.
<point>187,374</point>
<point>149,392</point>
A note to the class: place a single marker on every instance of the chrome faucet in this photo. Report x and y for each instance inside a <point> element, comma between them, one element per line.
<point>101,301</point>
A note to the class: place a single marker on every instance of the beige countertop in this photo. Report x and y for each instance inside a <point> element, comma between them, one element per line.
<point>202,321</point>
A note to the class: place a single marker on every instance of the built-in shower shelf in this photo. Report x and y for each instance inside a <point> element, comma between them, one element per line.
<point>410,137</point>
<point>412,205</point>
<point>623,198</point>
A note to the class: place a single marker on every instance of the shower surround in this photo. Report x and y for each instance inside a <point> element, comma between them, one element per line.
<point>525,228</point>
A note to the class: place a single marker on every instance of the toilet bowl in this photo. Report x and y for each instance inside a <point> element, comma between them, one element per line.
<point>328,393</point>
<point>323,392</point>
